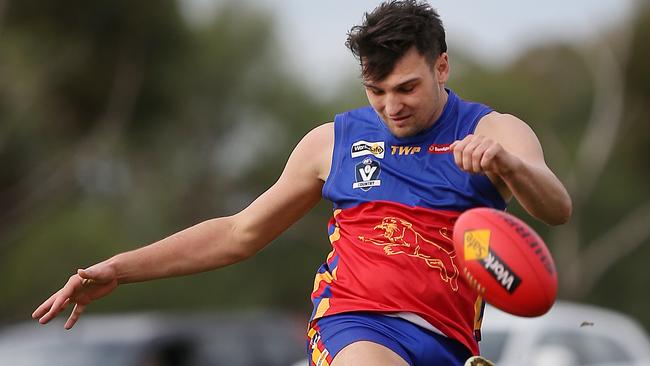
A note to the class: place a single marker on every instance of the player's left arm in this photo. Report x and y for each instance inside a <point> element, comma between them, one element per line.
<point>507,150</point>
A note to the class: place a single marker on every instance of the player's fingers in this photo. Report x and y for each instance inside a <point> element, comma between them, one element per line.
<point>475,160</point>
<point>469,155</point>
<point>457,148</point>
<point>91,275</point>
<point>60,301</point>
<point>62,298</point>
<point>457,152</point>
<point>88,282</point>
<point>44,307</point>
<point>100,273</point>
<point>478,155</point>
<point>74,316</point>
<point>487,161</point>
<point>53,312</point>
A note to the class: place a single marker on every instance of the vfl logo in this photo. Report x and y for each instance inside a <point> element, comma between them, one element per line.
<point>367,174</point>
<point>361,148</point>
<point>399,237</point>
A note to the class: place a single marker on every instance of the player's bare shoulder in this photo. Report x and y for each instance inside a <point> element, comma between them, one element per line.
<point>497,125</point>
<point>315,149</point>
<point>515,135</point>
<point>508,130</point>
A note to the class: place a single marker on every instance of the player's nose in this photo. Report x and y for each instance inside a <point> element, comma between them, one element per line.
<point>394,105</point>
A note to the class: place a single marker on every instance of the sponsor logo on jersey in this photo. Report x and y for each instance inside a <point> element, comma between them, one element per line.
<point>404,150</point>
<point>367,174</point>
<point>361,148</point>
<point>500,271</point>
<point>439,148</point>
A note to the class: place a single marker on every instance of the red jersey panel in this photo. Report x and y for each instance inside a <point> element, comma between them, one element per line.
<point>391,258</point>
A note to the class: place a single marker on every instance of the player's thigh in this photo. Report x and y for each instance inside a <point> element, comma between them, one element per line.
<point>363,353</point>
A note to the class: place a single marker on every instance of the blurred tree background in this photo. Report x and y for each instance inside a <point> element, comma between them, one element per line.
<point>120,123</point>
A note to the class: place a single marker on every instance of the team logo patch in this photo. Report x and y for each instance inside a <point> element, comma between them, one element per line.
<point>367,174</point>
<point>398,237</point>
<point>361,148</point>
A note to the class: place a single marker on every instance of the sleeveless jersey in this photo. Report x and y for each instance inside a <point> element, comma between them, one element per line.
<point>395,203</point>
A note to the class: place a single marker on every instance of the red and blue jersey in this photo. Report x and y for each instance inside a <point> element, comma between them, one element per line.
<point>395,204</point>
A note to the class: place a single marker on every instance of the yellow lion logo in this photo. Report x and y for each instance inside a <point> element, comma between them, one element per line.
<point>399,237</point>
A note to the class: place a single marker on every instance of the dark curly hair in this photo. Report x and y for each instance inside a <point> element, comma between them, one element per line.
<point>390,30</point>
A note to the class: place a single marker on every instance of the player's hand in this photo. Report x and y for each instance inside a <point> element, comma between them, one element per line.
<point>81,289</point>
<point>480,154</point>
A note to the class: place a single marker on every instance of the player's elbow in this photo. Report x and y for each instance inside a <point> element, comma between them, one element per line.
<point>237,252</point>
<point>246,239</point>
<point>561,213</point>
<point>239,249</point>
<point>227,244</point>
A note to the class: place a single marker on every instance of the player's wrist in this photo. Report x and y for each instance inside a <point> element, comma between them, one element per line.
<point>113,267</point>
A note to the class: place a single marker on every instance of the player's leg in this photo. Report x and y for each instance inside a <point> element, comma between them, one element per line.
<point>364,353</point>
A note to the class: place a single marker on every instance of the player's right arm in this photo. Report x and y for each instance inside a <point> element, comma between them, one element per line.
<point>210,244</point>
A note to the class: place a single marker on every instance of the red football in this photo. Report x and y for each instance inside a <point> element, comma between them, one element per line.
<point>506,261</point>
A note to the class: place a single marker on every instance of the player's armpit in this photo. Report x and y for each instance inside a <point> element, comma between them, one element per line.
<point>297,190</point>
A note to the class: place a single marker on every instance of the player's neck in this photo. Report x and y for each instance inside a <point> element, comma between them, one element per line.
<point>444,98</point>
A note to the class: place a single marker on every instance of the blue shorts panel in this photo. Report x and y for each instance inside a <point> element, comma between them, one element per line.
<point>416,345</point>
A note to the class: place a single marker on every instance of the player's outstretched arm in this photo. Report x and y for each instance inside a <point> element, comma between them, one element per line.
<point>210,244</point>
<point>506,149</point>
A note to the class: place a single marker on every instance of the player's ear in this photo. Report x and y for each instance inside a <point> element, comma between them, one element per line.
<point>442,68</point>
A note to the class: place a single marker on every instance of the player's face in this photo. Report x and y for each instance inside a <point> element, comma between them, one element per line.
<point>411,98</point>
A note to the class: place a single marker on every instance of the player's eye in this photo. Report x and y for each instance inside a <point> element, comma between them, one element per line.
<point>407,88</point>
